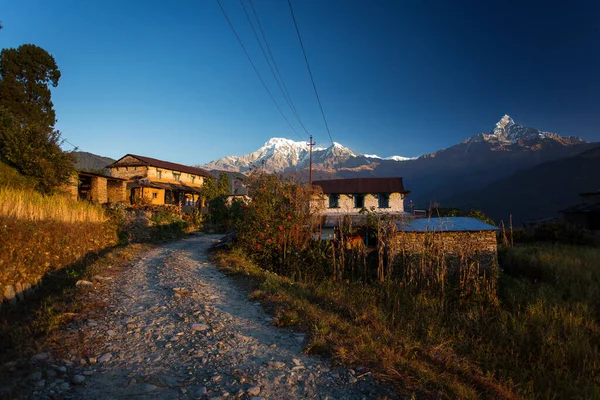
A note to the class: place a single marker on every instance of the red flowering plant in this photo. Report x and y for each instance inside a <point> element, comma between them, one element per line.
<point>276,226</point>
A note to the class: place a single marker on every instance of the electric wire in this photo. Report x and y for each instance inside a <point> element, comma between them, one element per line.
<point>256,70</point>
<point>313,81</point>
<point>282,87</point>
<point>75,148</point>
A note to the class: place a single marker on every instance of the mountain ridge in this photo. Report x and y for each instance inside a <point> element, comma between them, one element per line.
<point>283,155</point>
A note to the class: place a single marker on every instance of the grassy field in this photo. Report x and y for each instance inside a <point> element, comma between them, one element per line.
<point>540,340</point>
<point>29,205</point>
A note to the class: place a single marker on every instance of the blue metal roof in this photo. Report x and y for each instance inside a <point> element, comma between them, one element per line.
<point>446,224</point>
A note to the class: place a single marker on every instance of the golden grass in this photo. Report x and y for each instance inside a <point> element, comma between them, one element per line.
<point>541,340</point>
<point>23,204</point>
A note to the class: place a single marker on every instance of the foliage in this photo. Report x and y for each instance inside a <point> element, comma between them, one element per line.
<point>28,140</point>
<point>275,227</point>
<point>213,188</point>
<point>555,232</point>
<point>222,215</point>
<point>11,178</point>
<point>456,212</point>
<point>223,184</point>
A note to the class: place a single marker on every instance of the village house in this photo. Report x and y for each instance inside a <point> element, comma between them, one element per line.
<point>454,236</point>
<point>96,188</point>
<point>342,201</point>
<point>350,196</point>
<point>159,182</point>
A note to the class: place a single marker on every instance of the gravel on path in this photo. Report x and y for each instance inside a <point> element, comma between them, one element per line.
<point>178,328</point>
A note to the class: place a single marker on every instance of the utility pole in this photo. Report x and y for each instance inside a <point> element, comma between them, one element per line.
<point>310,146</point>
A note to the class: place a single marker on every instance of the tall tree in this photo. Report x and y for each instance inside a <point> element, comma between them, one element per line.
<point>224,185</point>
<point>28,139</point>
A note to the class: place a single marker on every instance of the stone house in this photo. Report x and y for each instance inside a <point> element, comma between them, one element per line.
<point>159,182</point>
<point>454,236</point>
<point>346,198</point>
<point>96,188</point>
<point>350,196</point>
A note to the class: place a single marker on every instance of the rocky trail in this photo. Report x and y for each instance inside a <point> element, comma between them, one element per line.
<point>177,328</point>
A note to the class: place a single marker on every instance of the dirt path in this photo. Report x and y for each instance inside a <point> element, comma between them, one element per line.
<point>176,327</point>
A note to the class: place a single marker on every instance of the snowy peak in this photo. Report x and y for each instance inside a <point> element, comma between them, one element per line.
<point>281,154</point>
<point>393,158</point>
<point>503,125</point>
<point>507,131</point>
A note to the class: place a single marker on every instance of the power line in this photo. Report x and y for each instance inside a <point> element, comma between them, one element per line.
<point>74,147</point>
<point>313,81</point>
<point>256,70</point>
<point>282,87</point>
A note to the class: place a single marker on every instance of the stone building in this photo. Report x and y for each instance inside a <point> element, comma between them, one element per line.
<point>344,199</point>
<point>453,236</point>
<point>159,182</point>
<point>96,188</point>
<point>350,196</point>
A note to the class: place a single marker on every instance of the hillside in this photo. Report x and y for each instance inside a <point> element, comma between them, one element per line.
<point>90,162</point>
<point>536,192</point>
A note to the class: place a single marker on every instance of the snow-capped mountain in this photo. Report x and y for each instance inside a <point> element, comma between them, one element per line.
<point>506,131</point>
<point>392,158</point>
<point>281,155</point>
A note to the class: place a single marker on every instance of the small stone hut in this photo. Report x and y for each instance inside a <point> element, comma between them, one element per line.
<point>454,236</point>
<point>96,188</point>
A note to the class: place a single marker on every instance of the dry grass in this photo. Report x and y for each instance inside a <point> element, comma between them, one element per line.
<point>347,322</point>
<point>540,339</point>
<point>29,205</point>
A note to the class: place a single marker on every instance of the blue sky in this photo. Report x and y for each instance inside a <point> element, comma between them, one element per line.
<point>168,79</point>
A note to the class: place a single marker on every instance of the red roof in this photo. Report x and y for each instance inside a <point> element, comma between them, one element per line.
<point>163,164</point>
<point>362,185</point>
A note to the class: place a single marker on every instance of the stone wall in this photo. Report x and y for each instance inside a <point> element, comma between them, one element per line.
<point>454,244</point>
<point>169,176</point>
<point>128,172</point>
<point>99,190</point>
<point>31,250</point>
<point>71,189</point>
<point>116,191</point>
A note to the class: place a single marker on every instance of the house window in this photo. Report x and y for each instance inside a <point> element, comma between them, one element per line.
<point>159,174</point>
<point>334,201</point>
<point>176,176</point>
<point>359,201</point>
<point>384,200</point>
<point>193,178</point>
<point>154,195</point>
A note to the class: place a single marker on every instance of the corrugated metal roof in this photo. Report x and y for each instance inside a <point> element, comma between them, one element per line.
<point>164,164</point>
<point>445,224</point>
<point>362,186</point>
